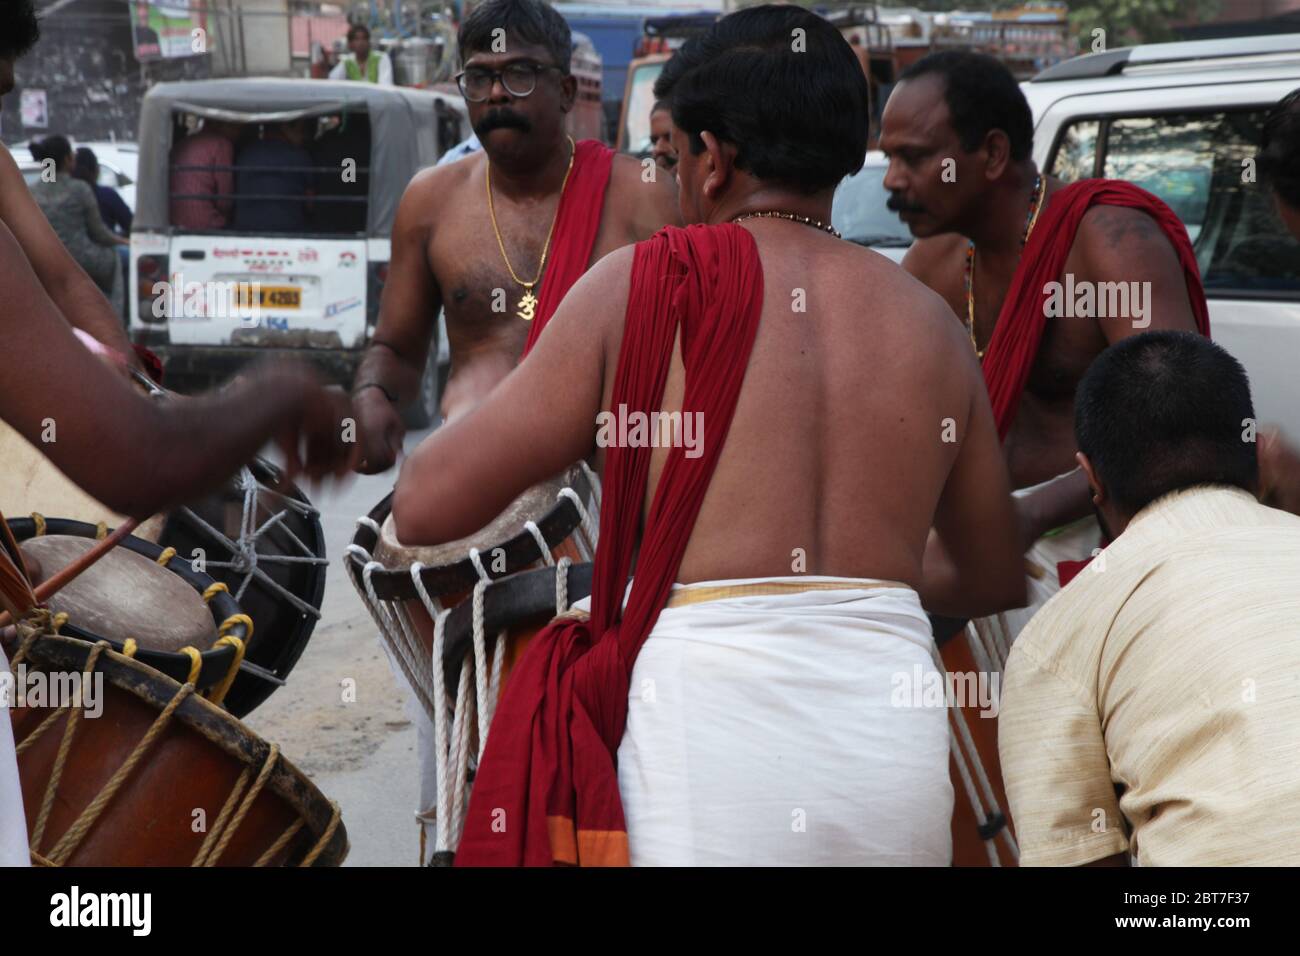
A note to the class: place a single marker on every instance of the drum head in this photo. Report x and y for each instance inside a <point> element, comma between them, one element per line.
<point>268,547</point>
<point>532,505</point>
<point>124,595</point>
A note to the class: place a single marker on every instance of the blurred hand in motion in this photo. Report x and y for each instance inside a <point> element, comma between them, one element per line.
<point>316,429</point>
<point>380,429</point>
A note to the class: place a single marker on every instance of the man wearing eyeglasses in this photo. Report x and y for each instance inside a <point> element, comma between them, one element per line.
<point>496,239</point>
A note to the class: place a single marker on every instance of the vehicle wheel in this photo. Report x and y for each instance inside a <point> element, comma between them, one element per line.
<point>423,412</point>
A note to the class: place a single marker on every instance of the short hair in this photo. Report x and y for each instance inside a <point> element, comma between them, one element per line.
<point>1278,160</point>
<point>660,105</point>
<point>19,28</point>
<point>54,146</point>
<point>1162,411</point>
<point>794,104</point>
<point>87,167</point>
<point>532,21</point>
<point>356,29</point>
<point>982,95</point>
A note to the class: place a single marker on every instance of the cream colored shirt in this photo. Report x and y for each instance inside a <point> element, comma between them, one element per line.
<point>1153,706</point>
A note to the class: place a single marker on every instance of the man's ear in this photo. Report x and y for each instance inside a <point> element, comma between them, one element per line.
<point>1094,484</point>
<point>719,160</point>
<point>998,149</point>
<point>568,92</point>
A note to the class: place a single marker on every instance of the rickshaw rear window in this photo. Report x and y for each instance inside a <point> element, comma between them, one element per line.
<point>306,176</point>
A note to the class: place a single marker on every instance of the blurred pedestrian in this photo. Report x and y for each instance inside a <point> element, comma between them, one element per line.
<point>73,211</point>
<point>363,64</point>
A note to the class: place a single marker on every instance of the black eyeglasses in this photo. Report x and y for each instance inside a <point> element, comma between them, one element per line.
<point>519,79</point>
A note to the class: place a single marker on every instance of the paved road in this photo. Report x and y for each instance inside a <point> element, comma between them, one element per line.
<point>360,753</point>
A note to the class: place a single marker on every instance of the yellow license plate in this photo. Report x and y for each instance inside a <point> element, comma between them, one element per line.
<point>271,296</point>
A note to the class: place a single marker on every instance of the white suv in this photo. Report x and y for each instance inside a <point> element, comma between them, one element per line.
<point>1181,120</point>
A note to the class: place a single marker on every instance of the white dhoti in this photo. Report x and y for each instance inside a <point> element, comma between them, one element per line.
<point>1073,542</point>
<point>761,732</point>
<point>13,820</point>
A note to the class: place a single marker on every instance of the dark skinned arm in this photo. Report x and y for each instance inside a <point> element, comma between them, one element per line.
<point>73,292</point>
<point>137,455</point>
<point>1114,244</point>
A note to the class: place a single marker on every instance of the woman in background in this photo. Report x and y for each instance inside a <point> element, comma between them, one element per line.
<point>73,211</point>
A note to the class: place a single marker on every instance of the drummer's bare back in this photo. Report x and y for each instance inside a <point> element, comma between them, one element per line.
<point>463,266</point>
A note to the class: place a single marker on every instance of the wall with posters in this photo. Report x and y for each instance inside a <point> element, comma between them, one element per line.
<point>85,67</point>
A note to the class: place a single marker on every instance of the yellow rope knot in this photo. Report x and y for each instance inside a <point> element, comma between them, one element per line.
<point>58,620</point>
<point>167,555</point>
<point>130,647</point>
<point>39,520</point>
<point>101,531</point>
<point>213,590</point>
<point>196,663</point>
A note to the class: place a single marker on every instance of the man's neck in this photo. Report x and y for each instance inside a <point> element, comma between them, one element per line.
<point>520,176</point>
<point>816,207</point>
<point>998,226</point>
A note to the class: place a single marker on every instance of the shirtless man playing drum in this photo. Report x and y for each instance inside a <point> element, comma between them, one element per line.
<point>964,112</point>
<point>483,251</point>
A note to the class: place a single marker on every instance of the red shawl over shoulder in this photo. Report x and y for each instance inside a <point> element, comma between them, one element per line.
<point>576,223</point>
<point>1019,329</point>
<point>547,789</point>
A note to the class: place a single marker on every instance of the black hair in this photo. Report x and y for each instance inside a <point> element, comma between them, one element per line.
<point>531,21</point>
<point>1278,160</point>
<point>53,147</point>
<point>1162,411</point>
<point>19,29</point>
<point>794,104</point>
<point>357,28</point>
<point>87,167</point>
<point>660,105</point>
<point>982,95</point>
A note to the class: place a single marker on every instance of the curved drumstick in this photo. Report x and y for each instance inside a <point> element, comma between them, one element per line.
<point>74,568</point>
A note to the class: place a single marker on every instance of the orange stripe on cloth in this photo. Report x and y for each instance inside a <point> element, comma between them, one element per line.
<point>591,848</point>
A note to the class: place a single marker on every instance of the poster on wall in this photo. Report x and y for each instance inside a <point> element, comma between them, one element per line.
<point>164,29</point>
<point>34,109</point>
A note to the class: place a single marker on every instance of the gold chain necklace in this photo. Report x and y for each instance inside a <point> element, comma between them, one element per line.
<point>1031,218</point>
<point>527,305</point>
<point>806,220</point>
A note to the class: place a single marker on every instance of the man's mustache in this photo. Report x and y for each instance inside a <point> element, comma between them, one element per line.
<point>502,119</point>
<point>896,203</point>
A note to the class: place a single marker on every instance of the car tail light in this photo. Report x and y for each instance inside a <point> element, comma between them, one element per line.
<point>150,270</point>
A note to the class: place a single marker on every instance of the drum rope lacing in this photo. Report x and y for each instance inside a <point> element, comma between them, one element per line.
<point>130,646</point>
<point>989,650</point>
<point>245,558</point>
<point>455,719</point>
<point>226,824</point>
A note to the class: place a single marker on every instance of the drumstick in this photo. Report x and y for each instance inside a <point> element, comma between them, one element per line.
<point>74,568</point>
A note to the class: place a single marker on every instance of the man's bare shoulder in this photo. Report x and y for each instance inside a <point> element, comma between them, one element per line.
<point>11,178</point>
<point>1113,240</point>
<point>903,305</point>
<point>930,259</point>
<point>641,196</point>
<point>428,190</point>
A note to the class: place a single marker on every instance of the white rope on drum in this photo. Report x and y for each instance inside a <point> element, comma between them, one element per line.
<point>594,481</point>
<point>480,651</point>
<point>985,804</point>
<point>442,818</point>
<point>1001,638</point>
<point>388,628</point>
<point>543,548</point>
<point>562,585</point>
<point>589,531</point>
<point>459,758</point>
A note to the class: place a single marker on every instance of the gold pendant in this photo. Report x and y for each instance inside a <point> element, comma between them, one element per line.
<point>527,306</point>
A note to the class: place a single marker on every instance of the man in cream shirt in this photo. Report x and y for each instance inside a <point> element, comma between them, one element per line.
<point>1151,710</point>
